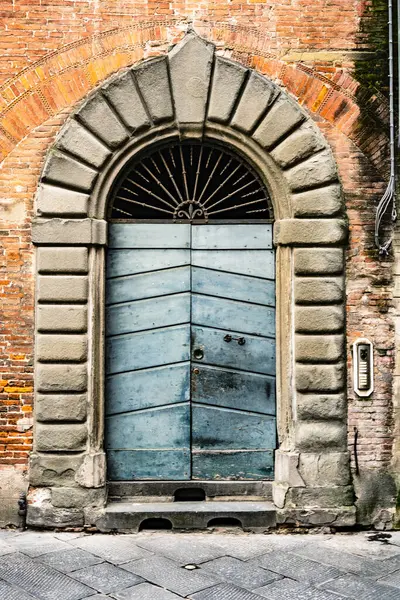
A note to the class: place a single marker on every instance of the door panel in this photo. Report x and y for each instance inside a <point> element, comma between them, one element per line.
<point>147,388</point>
<point>165,464</point>
<point>230,314</point>
<point>148,349</point>
<point>151,437</point>
<point>149,235</point>
<point>257,263</point>
<point>190,361</point>
<point>148,314</point>
<point>236,287</point>
<point>215,428</point>
<point>148,285</point>
<point>232,237</point>
<point>257,355</point>
<point>169,426</point>
<point>232,465</point>
<point>130,262</point>
<point>234,389</point>
<point>148,352</point>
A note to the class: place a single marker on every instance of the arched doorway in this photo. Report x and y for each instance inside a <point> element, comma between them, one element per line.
<point>191,95</point>
<point>190,319</point>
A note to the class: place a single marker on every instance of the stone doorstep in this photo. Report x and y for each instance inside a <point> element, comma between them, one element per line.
<point>256,490</point>
<point>122,516</point>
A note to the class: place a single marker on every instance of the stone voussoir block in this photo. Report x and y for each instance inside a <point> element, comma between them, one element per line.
<point>62,288</point>
<point>320,378</point>
<point>319,348</point>
<point>101,120</point>
<point>61,377</point>
<point>56,232</point>
<point>279,120</point>
<point>317,170</point>
<point>153,81</point>
<point>318,290</point>
<point>326,407</point>
<point>54,469</point>
<point>77,497</point>
<point>319,436</point>
<point>61,348</point>
<point>300,144</point>
<point>124,96</point>
<point>319,319</point>
<point>80,142</point>
<point>310,232</point>
<point>321,202</point>
<point>65,170</point>
<point>60,407</point>
<point>318,261</point>
<point>258,94</point>
<point>61,318</point>
<point>56,201</point>
<point>190,64</point>
<point>62,260</point>
<point>227,82</point>
<point>325,469</point>
<point>60,437</point>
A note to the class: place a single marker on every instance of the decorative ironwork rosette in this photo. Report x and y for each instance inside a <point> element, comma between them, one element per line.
<point>190,182</point>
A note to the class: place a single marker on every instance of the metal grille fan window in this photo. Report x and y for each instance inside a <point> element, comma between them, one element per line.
<point>190,182</point>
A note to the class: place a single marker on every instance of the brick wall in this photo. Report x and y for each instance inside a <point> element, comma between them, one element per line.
<point>53,53</point>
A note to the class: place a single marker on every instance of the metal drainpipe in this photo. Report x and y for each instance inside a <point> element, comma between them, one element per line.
<point>389,196</point>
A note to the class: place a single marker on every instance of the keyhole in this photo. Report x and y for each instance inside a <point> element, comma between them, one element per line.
<point>198,353</point>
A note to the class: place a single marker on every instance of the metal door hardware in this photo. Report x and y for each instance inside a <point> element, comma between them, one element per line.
<point>240,340</point>
<point>198,353</point>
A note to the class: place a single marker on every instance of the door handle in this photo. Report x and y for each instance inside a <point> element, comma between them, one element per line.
<point>240,340</point>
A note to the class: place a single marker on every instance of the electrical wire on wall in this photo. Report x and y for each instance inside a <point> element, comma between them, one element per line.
<point>388,199</point>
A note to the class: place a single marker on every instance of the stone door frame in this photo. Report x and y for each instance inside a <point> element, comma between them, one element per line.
<point>190,93</point>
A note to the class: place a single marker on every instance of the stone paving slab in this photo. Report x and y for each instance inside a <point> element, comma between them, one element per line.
<point>145,591</point>
<point>366,567</point>
<point>114,549</point>
<point>237,546</point>
<point>40,580</point>
<point>360,545</point>
<point>191,549</point>
<point>225,591</point>
<point>106,578</point>
<point>69,560</point>
<point>392,580</point>
<point>287,589</point>
<point>237,572</point>
<point>10,592</point>
<point>296,567</point>
<point>169,574</point>
<point>231,566</point>
<point>356,588</point>
<point>35,544</point>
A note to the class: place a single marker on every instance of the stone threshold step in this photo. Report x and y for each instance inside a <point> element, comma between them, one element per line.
<point>210,489</point>
<point>129,516</point>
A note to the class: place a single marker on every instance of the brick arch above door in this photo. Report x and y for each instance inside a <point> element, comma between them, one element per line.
<point>191,93</point>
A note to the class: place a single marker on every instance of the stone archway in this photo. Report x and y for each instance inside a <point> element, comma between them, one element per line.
<point>191,93</point>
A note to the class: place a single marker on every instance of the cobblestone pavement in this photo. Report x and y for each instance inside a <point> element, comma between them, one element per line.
<point>200,566</point>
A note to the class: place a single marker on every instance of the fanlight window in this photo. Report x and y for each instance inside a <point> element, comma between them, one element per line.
<point>190,182</point>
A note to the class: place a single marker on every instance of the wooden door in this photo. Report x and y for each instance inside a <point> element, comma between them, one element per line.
<point>190,368</point>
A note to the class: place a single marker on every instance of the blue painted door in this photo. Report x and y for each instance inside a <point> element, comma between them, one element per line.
<point>190,352</point>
